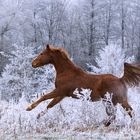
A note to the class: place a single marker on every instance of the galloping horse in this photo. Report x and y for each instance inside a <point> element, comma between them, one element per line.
<point>70,77</point>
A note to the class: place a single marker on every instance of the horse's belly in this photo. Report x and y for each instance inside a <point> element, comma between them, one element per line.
<point>95,97</point>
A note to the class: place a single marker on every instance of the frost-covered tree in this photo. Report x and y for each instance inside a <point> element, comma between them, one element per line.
<point>111,60</point>
<point>19,78</point>
<point>82,29</point>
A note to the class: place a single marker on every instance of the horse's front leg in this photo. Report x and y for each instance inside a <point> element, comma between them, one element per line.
<point>50,105</point>
<point>50,95</point>
<point>55,101</point>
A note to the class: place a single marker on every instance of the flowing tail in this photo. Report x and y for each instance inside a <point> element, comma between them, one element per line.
<point>131,74</point>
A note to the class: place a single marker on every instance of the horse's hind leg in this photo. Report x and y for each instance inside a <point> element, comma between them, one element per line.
<point>111,112</point>
<point>128,108</point>
<point>111,115</point>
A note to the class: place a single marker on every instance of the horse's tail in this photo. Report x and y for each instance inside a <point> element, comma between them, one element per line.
<point>131,74</point>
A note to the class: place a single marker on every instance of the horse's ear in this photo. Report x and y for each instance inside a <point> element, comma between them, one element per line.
<point>48,47</point>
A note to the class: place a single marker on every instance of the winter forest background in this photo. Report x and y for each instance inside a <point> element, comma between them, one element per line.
<point>100,35</point>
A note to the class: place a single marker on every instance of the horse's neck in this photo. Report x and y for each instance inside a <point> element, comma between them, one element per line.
<point>63,65</point>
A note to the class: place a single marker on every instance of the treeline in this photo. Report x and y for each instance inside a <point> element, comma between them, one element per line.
<point>82,27</point>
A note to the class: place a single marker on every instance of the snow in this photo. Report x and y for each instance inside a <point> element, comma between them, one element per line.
<point>71,119</point>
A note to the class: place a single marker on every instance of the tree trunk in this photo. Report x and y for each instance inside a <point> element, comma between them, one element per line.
<point>122,24</point>
<point>92,30</point>
<point>108,24</point>
<point>138,55</point>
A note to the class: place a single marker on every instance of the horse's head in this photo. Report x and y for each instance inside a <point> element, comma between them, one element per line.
<point>48,56</point>
<point>43,58</point>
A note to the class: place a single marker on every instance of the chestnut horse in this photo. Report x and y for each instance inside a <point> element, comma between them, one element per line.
<point>70,77</point>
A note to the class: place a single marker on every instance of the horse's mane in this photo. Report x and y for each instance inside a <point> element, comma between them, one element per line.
<point>63,52</point>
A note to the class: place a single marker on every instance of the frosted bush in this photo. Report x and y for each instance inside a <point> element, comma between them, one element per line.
<point>20,78</point>
<point>68,116</point>
<point>111,60</point>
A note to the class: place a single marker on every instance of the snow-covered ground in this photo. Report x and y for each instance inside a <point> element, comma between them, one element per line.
<point>71,119</point>
<point>92,134</point>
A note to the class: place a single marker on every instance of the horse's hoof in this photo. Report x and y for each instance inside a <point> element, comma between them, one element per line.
<point>29,108</point>
<point>106,123</point>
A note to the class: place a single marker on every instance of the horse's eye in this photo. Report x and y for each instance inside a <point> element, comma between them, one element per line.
<point>41,54</point>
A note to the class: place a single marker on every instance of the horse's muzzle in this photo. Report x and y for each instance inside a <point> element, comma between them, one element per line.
<point>34,64</point>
